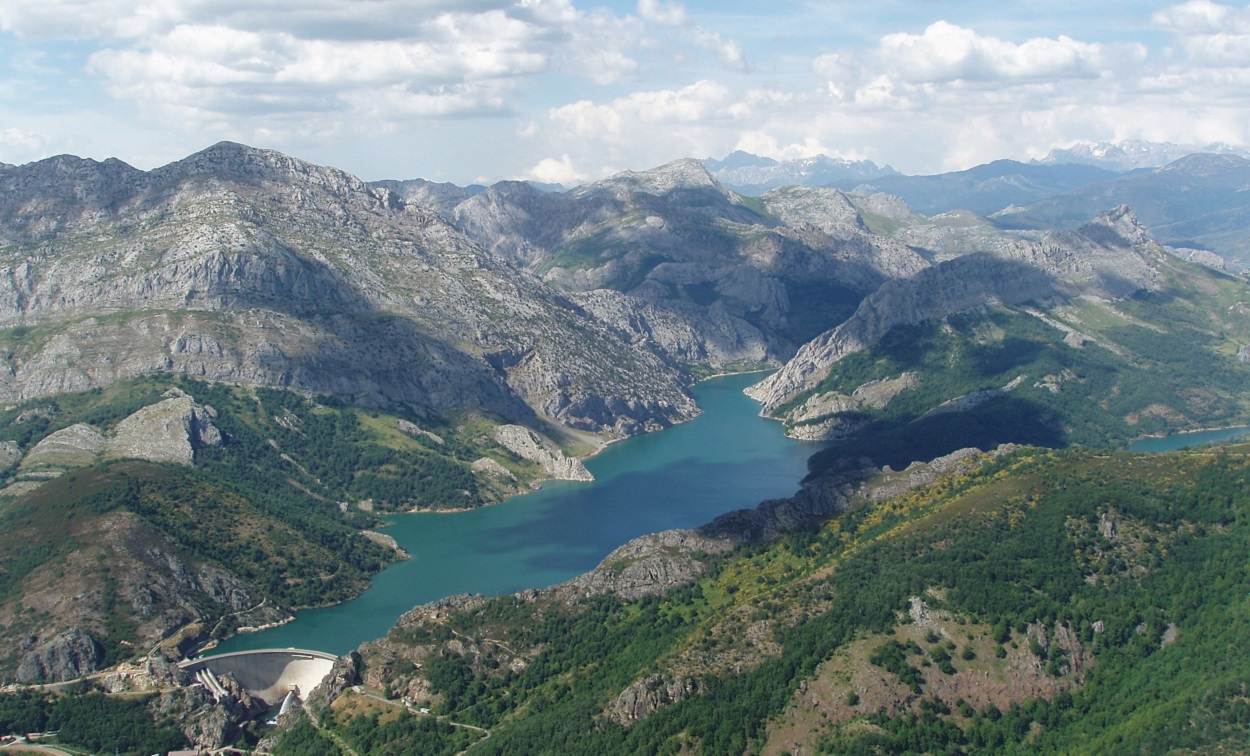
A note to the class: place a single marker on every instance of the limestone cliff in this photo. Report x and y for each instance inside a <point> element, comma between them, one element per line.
<point>168,431</point>
<point>252,267</point>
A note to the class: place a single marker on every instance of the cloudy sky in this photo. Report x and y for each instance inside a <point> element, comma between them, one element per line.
<point>571,90</point>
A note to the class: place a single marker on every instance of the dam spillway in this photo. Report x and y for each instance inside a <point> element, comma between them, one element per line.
<point>269,674</point>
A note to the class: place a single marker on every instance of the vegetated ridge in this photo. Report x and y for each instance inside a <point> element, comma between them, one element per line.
<point>1025,600</point>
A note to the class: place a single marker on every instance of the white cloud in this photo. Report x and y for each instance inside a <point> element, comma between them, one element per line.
<point>553,171</point>
<point>644,128</point>
<point>765,144</point>
<point>599,47</point>
<point>627,116</point>
<point>1201,18</point>
<point>946,52</point>
<point>948,68</point>
<point>594,85</point>
<point>728,51</point>
<point>331,59</point>
<point>665,14</point>
<point>439,63</point>
<point>324,19</point>
<point>1211,34</point>
<point>17,146</point>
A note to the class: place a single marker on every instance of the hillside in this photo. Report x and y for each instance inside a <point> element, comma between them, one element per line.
<point>168,512</point>
<point>1025,343</point>
<point>1026,601</point>
<point>984,189</point>
<point>221,372</point>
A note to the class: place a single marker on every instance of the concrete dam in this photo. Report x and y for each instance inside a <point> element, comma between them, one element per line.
<point>270,674</point>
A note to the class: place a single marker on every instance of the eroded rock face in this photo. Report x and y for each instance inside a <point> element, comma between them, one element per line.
<point>823,416</point>
<point>67,656</point>
<point>76,446</point>
<point>10,453</point>
<point>527,444</point>
<point>168,431</point>
<point>154,582</point>
<point>644,697</point>
<point>344,674</point>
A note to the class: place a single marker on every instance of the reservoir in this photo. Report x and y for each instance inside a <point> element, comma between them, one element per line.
<point>727,458</point>
<point>1186,440</point>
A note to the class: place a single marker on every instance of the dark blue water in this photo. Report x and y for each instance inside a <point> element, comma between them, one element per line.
<point>727,458</point>
<point>1186,440</point>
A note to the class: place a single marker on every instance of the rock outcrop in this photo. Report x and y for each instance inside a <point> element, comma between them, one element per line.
<point>644,697</point>
<point>67,656</point>
<point>168,431</point>
<point>646,566</point>
<point>824,417</point>
<point>528,445</point>
<point>78,445</point>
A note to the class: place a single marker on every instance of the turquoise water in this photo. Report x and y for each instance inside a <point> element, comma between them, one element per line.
<point>1186,440</point>
<point>725,459</point>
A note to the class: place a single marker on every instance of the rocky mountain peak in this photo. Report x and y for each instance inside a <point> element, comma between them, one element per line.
<point>828,209</point>
<point>1118,227</point>
<point>684,174</point>
<point>1131,154</point>
<point>1206,164</point>
<point>42,196</point>
<point>243,163</point>
<point>739,159</point>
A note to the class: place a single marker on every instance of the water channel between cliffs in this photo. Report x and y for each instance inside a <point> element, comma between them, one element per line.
<point>725,459</point>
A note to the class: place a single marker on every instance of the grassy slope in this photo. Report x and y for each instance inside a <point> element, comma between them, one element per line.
<point>1001,556</point>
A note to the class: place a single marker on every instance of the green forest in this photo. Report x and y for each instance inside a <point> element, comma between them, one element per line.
<point>1146,625</point>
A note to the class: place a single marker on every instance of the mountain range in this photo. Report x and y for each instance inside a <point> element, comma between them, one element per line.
<point>245,341</point>
<point>1191,197</point>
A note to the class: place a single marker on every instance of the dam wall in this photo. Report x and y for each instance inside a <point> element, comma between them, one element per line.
<point>269,674</point>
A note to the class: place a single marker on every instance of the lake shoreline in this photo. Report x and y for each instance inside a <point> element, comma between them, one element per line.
<point>724,459</point>
<point>1217,434</point>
